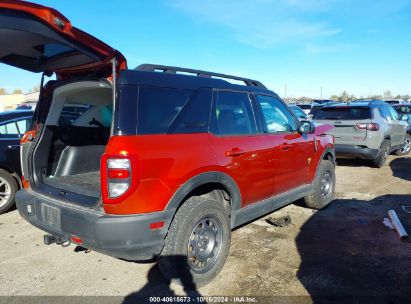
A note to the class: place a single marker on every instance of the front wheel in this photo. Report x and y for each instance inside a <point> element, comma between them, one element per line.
<point>323,186</point>
<point>197,243</point>
<point>406,146</point>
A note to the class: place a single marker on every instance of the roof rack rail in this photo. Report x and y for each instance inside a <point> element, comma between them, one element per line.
<point>175,70</point>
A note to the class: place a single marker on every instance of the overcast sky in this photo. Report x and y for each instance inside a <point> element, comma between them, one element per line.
<point>361,46</point>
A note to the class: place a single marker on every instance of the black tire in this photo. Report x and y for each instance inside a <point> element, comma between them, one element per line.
<point>177,261</point>
<point>323,186</point>
<point>8,188</point>
<point>379,162</point>
<point>406,147</point>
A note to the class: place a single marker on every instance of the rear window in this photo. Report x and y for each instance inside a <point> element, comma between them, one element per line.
<point>158,108</point>
<point>314,110</point>
<point>345,113</point>
<point>304,106</point>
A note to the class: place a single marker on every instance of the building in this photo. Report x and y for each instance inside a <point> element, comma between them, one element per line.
<point>11,101</point>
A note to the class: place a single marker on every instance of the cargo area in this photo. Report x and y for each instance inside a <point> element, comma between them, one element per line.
<point>74,137</point>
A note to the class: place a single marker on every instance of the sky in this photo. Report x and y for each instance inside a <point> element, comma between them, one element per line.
<point>295,47</point>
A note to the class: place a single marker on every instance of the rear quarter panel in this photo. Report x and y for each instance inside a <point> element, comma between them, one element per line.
<point>166,162</point>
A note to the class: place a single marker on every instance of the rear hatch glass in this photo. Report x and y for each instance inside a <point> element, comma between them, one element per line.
<point>345,120</point>
<point>344,113</point>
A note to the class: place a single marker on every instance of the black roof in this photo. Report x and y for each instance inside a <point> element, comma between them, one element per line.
<point>8,115</point>
<point>173,77</point>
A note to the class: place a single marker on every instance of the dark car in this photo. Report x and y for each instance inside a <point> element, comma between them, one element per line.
<point>322,101</point>
<point>13,125</point>
<point>298,112</point>
<point>316,107</point>
<point>404,111</point>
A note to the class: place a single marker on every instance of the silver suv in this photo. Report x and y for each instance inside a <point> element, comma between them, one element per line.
<point>367,130</point>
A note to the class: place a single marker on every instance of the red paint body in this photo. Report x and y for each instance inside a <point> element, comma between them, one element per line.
<point>267,165</point>
<point>262,165</point>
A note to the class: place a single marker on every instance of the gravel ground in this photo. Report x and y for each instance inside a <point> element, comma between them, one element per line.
<point>344,250</point>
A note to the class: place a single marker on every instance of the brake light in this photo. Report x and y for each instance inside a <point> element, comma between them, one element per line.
<point>368,126</point>
<point>373,127</point>
<point>118,178</point>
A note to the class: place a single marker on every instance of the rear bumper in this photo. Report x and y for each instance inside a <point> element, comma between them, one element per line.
<point>351,151</point>
<point>126,237</point>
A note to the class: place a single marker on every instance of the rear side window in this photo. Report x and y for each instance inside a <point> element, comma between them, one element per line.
<point>9,129</point>
<point>344,113</point>
<point>158,108</point>
<point>233,114</point>
<point>15,128</point>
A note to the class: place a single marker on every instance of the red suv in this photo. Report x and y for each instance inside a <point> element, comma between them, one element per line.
<point>162,161</point>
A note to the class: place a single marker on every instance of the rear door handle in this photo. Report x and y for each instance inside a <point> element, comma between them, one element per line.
<point>285,146</point>
<point>234,152</point>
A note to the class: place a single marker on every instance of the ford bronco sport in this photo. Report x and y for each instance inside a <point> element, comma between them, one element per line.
<point>164,161</point>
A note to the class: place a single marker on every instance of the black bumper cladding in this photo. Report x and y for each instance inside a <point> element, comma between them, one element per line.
<point>126,237</point>
<point>349,151</point>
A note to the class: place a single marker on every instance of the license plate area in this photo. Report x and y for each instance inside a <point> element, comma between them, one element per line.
<point>51,216</point>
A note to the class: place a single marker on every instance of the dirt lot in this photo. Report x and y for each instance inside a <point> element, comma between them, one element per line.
<point>344,250</point>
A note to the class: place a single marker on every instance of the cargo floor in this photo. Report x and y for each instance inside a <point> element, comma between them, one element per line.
<point>83,183</point>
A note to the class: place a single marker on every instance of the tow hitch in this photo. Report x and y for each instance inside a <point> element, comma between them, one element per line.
<point>52,239</point>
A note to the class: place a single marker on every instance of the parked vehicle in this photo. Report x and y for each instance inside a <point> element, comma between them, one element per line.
<point>13,124</point>
<point>394,101</point>
<point>316,107</point>
<point>367,130</point>
<point>322,101</point>
<point>404,111</point>
<point>306,107</point>
<point>298,112</point>
<point>27,106</point>
<point>165,161</point>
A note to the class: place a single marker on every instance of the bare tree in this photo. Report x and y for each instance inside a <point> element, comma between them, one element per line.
<point>17,91</point>
<point>387,94</point>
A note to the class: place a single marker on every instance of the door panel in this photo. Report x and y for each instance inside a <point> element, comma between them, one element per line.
<point>293,151</point>
<point>246,155</point>
<point>250,161</point>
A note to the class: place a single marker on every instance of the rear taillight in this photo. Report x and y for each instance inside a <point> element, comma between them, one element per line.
<point>28,136</point>
<point>118,178</point>
<point>368,126</point>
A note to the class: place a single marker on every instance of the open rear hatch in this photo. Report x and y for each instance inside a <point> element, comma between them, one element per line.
<point>40,39</point>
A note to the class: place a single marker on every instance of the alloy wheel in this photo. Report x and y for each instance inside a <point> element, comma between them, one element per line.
<point>5,191</point>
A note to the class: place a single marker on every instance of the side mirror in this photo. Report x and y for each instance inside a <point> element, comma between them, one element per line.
<point>404,117</point>
<point>306,127</point>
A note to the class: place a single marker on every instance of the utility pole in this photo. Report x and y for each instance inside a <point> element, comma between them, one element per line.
<point>321,90</point>
<point>285,91</point>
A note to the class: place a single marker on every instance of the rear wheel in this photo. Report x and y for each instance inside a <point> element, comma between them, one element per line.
<point>8,188</point>
<point>406,147</point>
<point>197,243</point>
<point>323,186</point>
<point>382,154</point>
